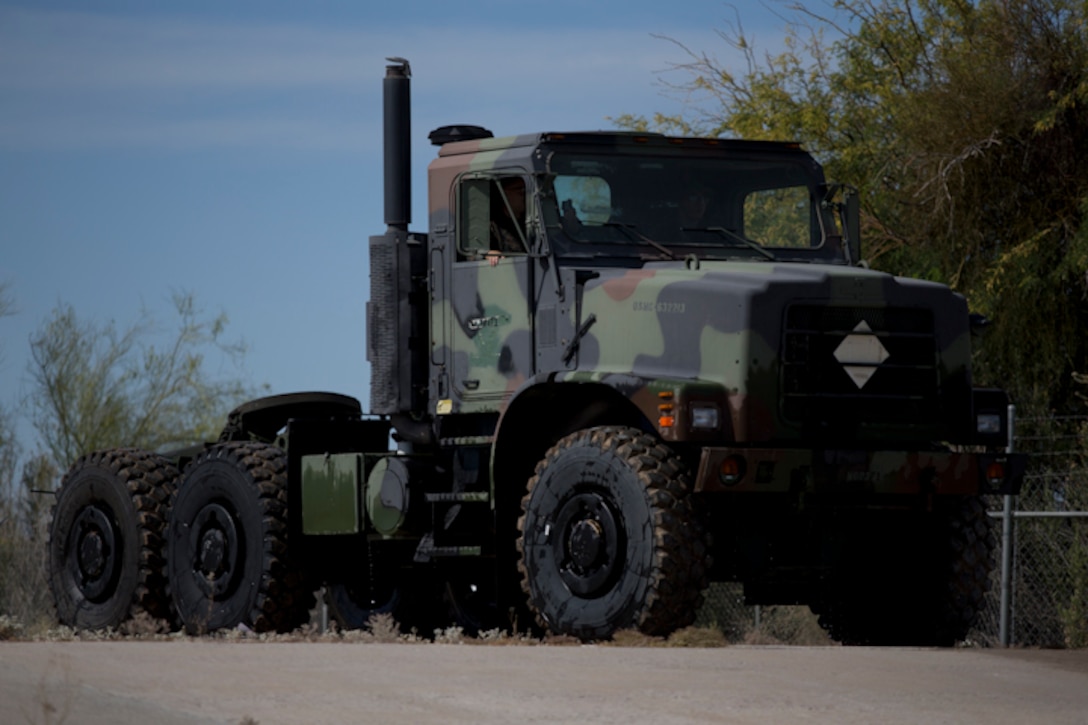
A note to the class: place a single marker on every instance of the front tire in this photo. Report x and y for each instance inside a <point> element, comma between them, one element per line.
<point>609,539</point>
<point>227,543</point>
<point>105,541</point>
<point>915,585</point>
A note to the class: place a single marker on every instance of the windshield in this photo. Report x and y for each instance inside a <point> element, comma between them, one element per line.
<point>672,207</point>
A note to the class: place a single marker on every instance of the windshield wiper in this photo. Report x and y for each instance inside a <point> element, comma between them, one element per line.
<point>733,236</point>
<point>636,236</point>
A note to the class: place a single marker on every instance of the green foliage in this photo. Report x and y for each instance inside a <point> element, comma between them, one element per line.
<point>964,125</point>
<point>24,591</point>
<point>778,217</point>
<point>98,387</point>
<point>1074,613</point>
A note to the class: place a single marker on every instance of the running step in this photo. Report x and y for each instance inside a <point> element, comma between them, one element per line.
<point>427,551</point>
<point>467,441</point>
<point>459,497</point>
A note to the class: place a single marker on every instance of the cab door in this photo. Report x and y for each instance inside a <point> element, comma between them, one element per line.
<point>487,319</point>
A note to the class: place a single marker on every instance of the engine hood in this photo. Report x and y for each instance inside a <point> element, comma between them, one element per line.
<point>798,349</point>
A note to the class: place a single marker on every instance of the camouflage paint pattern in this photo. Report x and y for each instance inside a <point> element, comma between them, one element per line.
<point>723,325</point>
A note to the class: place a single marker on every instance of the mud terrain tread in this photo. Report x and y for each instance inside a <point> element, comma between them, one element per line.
<point>283,597</point>
<point>149,481</point>
<point>284,600</point>
<point>935,608</point>
<point>971,554</point>
<point>679,573</point>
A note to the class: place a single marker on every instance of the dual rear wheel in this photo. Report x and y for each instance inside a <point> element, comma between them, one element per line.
<point>207,549</point>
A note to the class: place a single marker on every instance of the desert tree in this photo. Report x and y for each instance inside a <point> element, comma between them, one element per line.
<point>95,386</point>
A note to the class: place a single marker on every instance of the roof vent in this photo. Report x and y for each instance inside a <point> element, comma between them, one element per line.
<point>449,134</point>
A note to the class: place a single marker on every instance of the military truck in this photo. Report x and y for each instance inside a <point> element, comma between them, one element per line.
<point>617,368</point>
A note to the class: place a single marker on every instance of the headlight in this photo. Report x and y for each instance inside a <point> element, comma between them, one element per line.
<point>704,416</point>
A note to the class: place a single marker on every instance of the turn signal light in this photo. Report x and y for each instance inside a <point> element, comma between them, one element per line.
<point>995,474</point>
<point>731,470</point>
<point>666,418</point>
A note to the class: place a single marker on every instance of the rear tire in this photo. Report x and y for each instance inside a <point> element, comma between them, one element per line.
<point>228,559</point>
<point>106,539</point>
<point>470,594</point>
<point>609,539</point>
<point>352,604</point>
<point>383,584</point>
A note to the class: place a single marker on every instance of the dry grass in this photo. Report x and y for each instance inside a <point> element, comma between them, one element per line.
<point>782,625</point>
<point>697,637</point>
<point>787,625</point>
<point>382,628</point>
<point>143,625</point>
<point>686,637</point>
<point>10,628</point>
<point>634,638</point>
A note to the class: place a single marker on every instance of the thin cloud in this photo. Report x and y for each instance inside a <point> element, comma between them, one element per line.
<point>78,80</point>
<point>80,51</point>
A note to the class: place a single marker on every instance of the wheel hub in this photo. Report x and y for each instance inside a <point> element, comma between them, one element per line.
<point>213,552</point>
<point>95,559</point>
<point>216,549</point>
<point>92,555</point>
<point>590,546</point>
<point>586,543</point>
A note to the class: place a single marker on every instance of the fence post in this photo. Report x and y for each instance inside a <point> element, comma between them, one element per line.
<point>1005,633</point>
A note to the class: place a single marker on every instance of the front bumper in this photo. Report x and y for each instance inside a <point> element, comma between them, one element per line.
<point>776,470</point>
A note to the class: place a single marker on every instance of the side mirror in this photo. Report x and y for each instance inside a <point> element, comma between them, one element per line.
<point>851,222</point>
<point>843,200</point>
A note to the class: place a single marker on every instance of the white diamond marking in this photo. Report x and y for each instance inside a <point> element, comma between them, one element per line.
<point>860,353</point>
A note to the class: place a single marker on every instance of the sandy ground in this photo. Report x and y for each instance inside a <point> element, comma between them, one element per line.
<point>205,681</point>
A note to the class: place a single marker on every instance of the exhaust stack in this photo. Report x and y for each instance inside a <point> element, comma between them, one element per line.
<point>397,131</point>
<point>396,315</point>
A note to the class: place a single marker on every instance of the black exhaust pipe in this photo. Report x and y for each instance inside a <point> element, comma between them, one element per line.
<point>397,327</point>
<point>397,126</point>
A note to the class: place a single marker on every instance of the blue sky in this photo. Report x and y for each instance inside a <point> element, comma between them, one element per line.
<point>233,149</point>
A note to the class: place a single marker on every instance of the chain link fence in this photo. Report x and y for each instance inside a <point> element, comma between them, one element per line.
<point>1048,574</point>
<point>1047,579</point>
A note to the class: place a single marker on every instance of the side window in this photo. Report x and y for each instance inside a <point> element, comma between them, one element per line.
<point>473,241</point>
<point>779,217</point>
<point>491,217</point>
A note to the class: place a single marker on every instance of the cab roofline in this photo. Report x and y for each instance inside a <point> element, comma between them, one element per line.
<point>615,139</point>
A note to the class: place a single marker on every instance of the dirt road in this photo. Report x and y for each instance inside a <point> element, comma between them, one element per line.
<point>202,681</point>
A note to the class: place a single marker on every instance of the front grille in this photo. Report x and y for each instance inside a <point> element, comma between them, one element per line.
<point>898,386</point>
